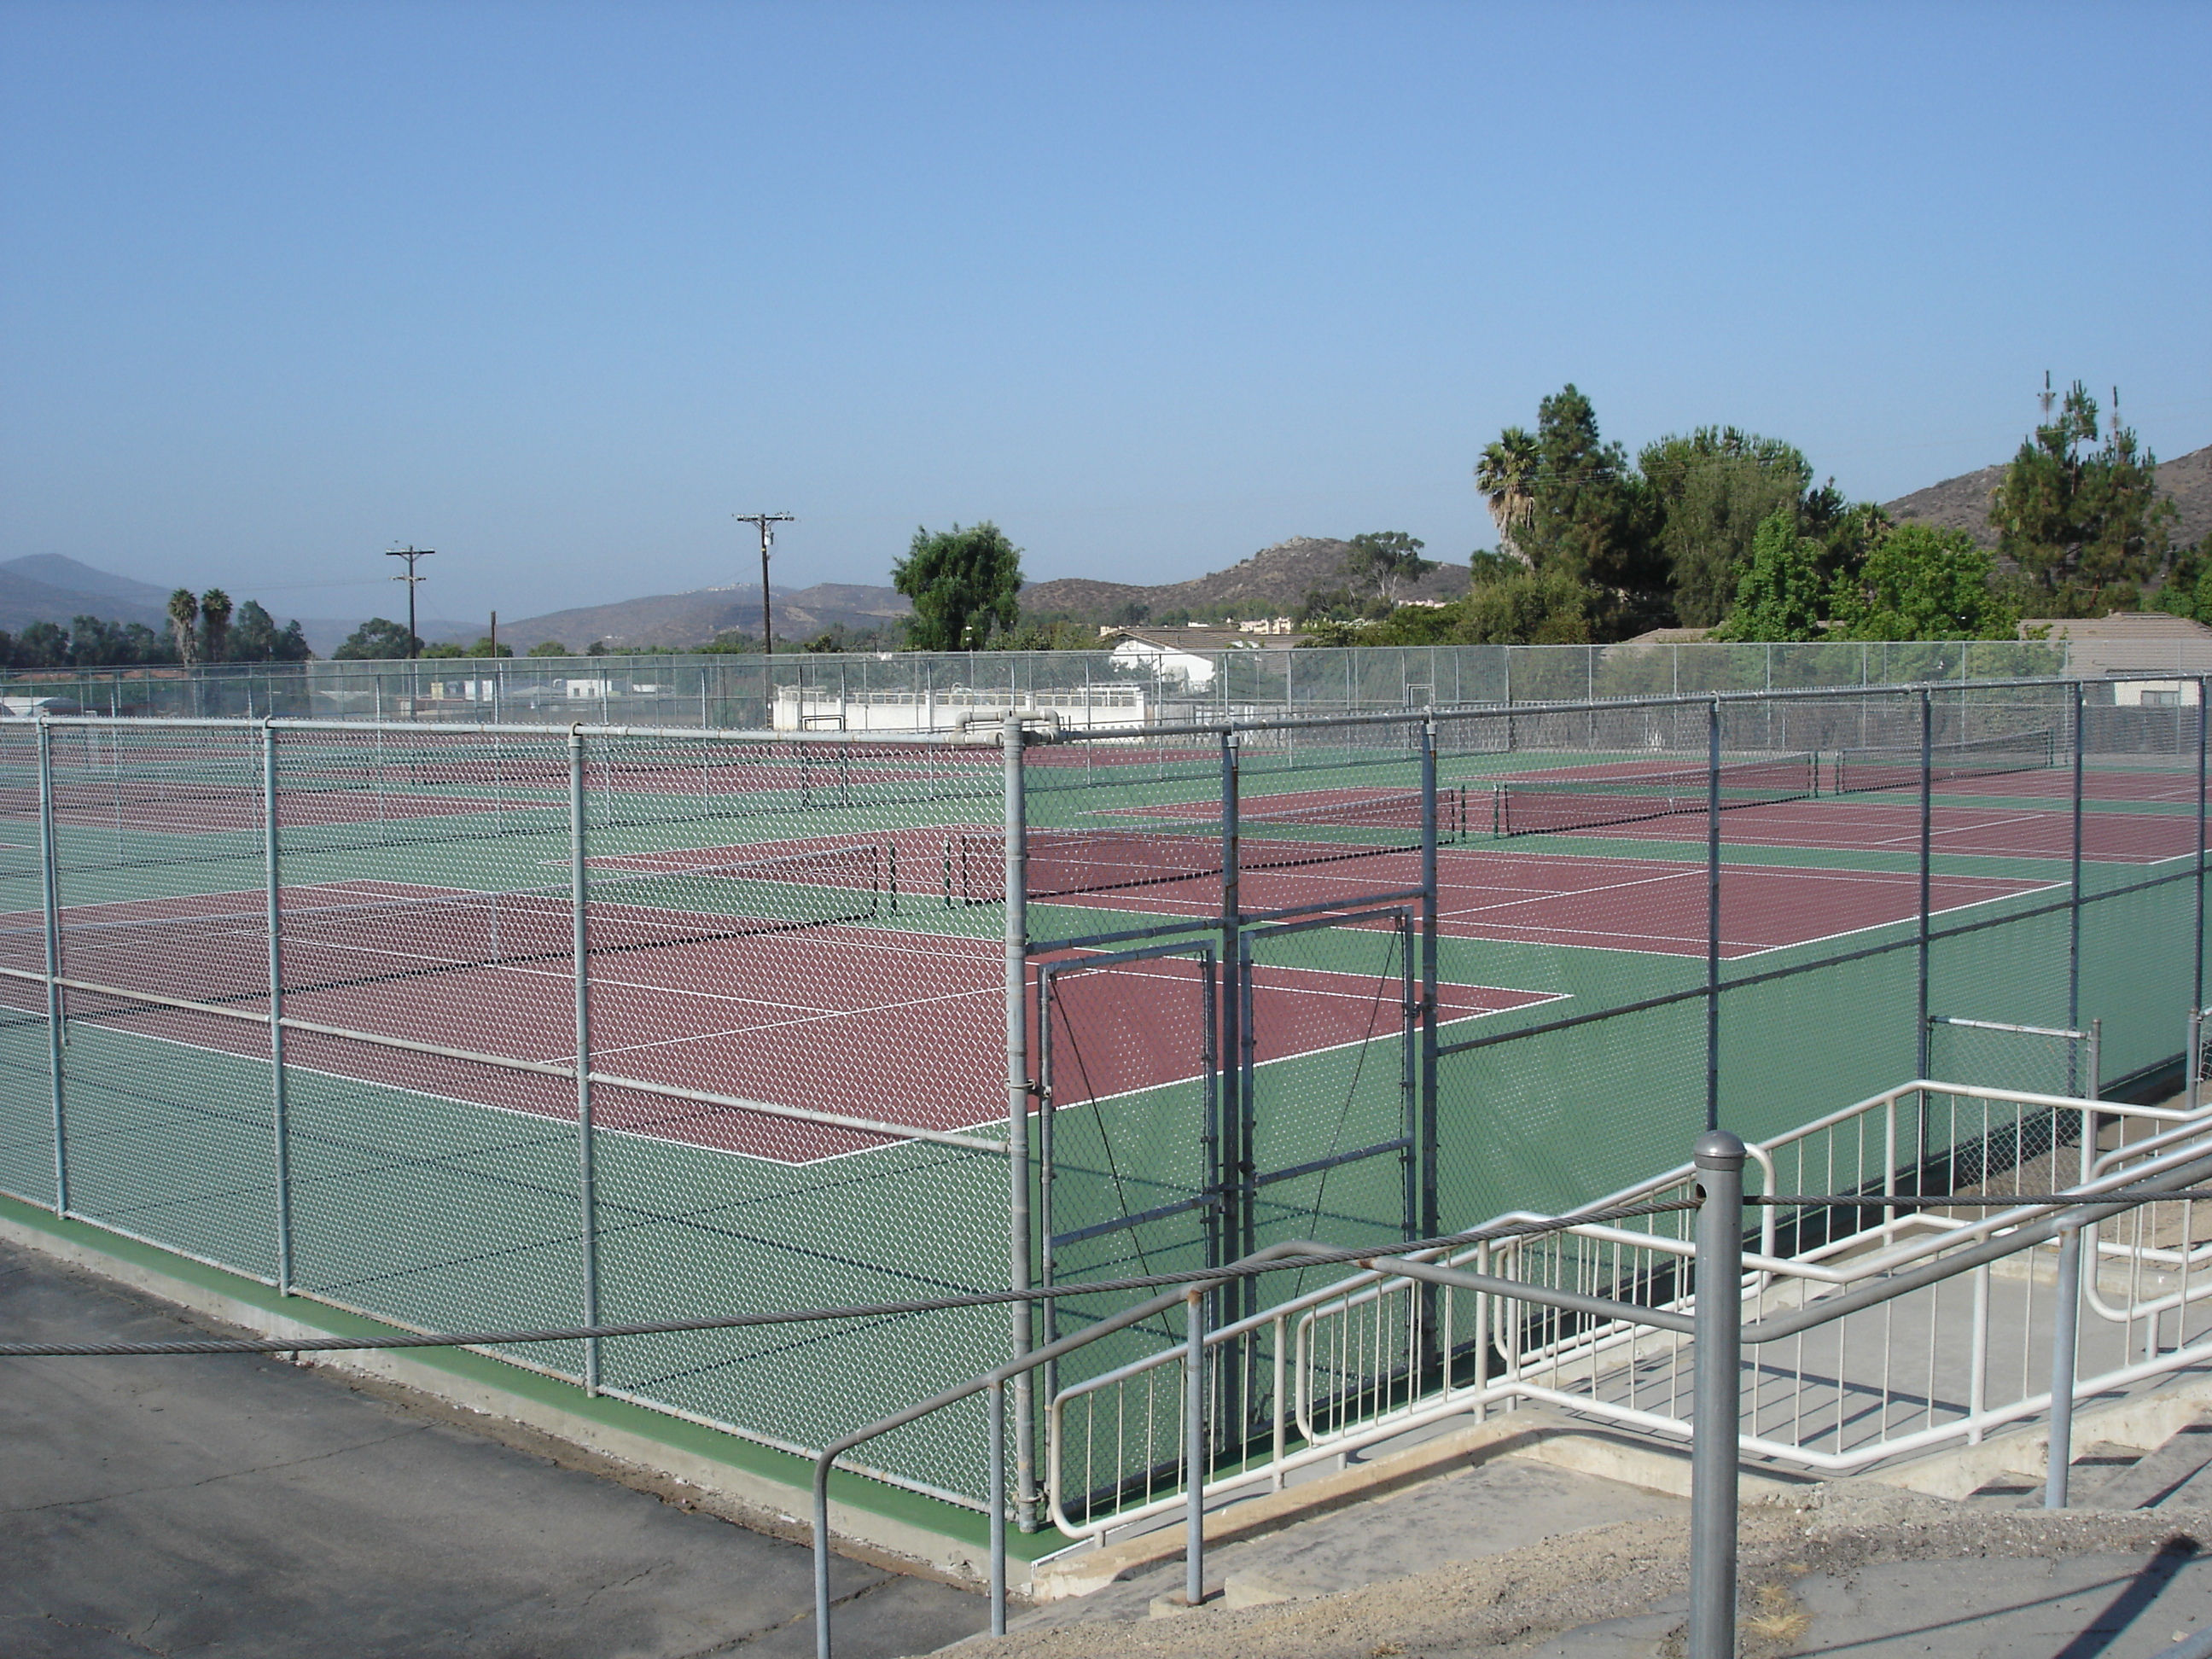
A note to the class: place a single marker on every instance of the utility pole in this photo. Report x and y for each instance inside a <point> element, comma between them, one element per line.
<point>768,536</point>
<point>410,554</point>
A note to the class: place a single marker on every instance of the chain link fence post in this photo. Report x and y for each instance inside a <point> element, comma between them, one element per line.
<point>50,902</point>
<point>580,950</point>
<point>1018,1097</point>
<point>1713,912</point>
<point>279,1106</point>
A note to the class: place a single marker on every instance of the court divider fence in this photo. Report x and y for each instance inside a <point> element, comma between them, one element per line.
<point>1125,684</point>
<point>498,1025</point>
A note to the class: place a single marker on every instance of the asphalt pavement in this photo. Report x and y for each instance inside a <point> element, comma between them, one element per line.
<point>244,1506</point>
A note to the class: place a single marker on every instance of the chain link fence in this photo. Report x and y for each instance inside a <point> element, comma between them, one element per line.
<point>500,1025</point>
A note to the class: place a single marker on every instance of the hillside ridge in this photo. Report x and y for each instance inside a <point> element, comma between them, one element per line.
<point>1963,502</point>
<point>52,587</point>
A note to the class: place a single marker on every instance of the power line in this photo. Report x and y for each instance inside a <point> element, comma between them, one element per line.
<point>410,554</point>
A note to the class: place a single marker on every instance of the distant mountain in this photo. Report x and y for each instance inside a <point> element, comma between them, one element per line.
<point>47,588</point>
<point>1963,502</point>
<point>50,587</point>
<point>1278,577</point>
<point>687,621</point>
<point>66,574</point>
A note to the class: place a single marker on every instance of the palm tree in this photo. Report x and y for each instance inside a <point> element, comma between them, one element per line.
<point>184,617</point>
<point>215,623</point>
<point>1506,476</point>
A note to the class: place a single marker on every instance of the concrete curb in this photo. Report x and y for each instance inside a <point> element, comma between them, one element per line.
<point>1538,1433</point>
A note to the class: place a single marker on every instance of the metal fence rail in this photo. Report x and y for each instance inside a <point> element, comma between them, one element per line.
<point>894,693</point>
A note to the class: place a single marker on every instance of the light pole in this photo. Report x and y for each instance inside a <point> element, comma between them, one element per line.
<point>767,535</point>
<point>410,554</point>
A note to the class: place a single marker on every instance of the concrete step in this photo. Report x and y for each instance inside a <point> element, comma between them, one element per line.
<point>1459,1510</point>
<point>2158,1475</point>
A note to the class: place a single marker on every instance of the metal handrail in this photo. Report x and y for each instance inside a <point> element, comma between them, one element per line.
<point>994,1382</point>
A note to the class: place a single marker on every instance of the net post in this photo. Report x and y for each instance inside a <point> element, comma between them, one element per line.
<point>579,942</point>
<point>279,1105</point>
<point>1713,912</point>
<point>50,903</point>
<point>1018,1097</point>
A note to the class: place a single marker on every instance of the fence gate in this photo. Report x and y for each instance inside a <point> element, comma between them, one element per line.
<point>1129,1145</point>
<point>1321,1137</point>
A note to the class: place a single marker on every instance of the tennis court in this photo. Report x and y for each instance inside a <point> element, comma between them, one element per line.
<point>822,1017</point>
<point>492,1025</point>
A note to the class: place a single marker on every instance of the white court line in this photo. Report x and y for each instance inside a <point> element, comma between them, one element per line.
<point>553,1120</point>
<point>808,1018</point>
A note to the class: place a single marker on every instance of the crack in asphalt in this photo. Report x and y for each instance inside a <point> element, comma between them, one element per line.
<point>214,1480</point>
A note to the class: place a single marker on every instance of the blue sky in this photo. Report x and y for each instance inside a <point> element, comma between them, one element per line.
<point>556,289</point>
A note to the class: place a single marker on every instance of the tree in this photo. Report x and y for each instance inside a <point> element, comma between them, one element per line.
<point>184,622</point>
<point>1783,591</point>
<point>554,648</point>
<point>1505,475</point>
<point>963,583</point>
<point>1922,583</point>
<point>1709,493</point>
<point>42,644</point>
<point>1385,560</point>
<point>252,633</point>
<point>1582,520</point>
<point>2086,525</point>
<point>214,625</point>
<point>1334,605</point>
<point>377,640</point>
<point>1528,607</point>
<point>255,637</point>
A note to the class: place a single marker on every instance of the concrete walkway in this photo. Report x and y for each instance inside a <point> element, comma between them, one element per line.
<point>244,1506</point>
<point>1852,1569</point>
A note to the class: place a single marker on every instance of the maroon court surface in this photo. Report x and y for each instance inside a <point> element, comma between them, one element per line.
<point>1488,891</point>
<point>865,1022</point>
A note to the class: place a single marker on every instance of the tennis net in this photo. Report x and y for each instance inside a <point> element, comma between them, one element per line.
<point>1541,805</point>
<point>1167,847</point>
<point>335,939</point>
<point>1900,767</point>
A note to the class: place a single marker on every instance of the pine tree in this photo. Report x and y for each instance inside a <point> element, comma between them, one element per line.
<point>2083,521</point>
